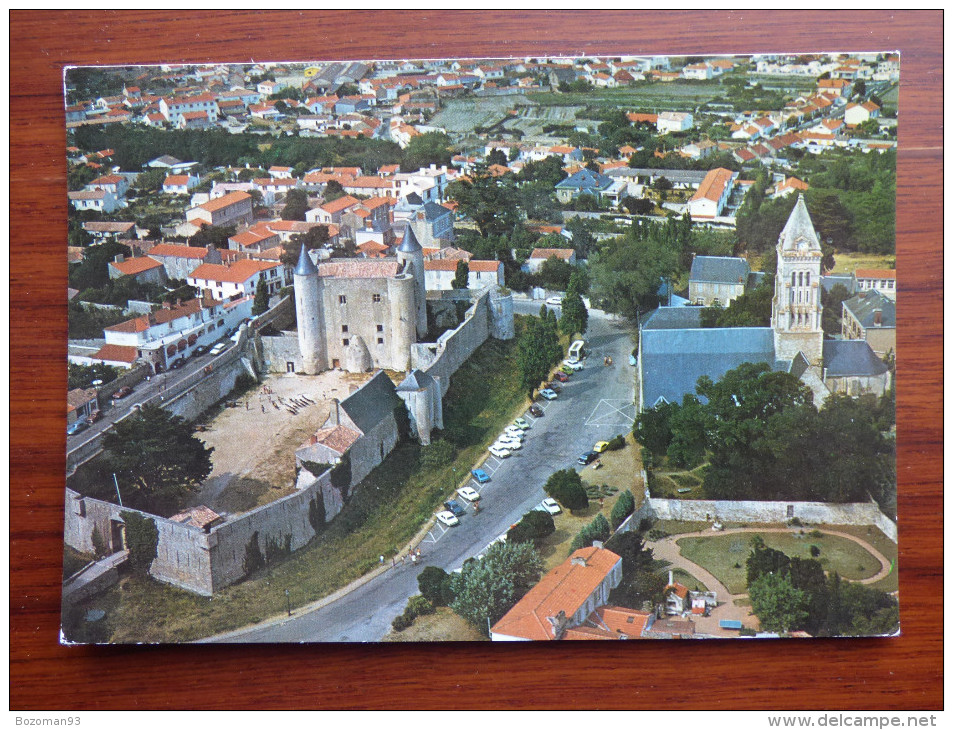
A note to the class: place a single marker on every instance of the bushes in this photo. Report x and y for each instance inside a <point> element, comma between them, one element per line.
<point>435,586</point>
<point>416,606</point>
<point>598,529</point>
<point>534,525</point>
<point>616,443</point>
<point>565,487</point>
<point>622,509</point>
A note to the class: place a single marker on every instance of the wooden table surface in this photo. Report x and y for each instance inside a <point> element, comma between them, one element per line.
<point>903,673</point>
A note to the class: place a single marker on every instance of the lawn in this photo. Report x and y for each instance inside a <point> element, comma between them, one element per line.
<point>666,483</point>
<point>724,556</point>
<point>847,263</point>
<point>385,513</point>
<point>444,625</point>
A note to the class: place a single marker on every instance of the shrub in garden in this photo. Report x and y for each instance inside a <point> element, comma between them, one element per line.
<point>622,508</point>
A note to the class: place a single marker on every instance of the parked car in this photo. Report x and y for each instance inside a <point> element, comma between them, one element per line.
<point>554,386</point>
<point>219,348</point>
<point>481,476</point>
<point>94,416</point>
<point>515,432</point>
<point>566,369</point>
<point>469,494</point>
<point>535,411</point>
<point>561,376</point>
<point>455,507</point>
<point>122,392</point>
<point>76,426</point>
<point>573,365</point>
<point>507,443</point>
<point>200,350</point>
<point>600,446</point>
<point>548,394</point>
<point>550,505</point>
<point>555,301</point>
<point>176,364</point>
<point>521,423</point>
<point>498,452</point>
<point>587,457</point>
<point>448,518</point>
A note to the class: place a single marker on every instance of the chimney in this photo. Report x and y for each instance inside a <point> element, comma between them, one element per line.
<point>878,317</point>
<point>579,560</point>
<point>119,258</point>
<point>671,578</point>
<point>337,411</point>
<point>597,544</point>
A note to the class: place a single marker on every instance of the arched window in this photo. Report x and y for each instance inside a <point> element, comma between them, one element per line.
<point>800,278</point>
<point>807,279</point>
<point>793,278</point>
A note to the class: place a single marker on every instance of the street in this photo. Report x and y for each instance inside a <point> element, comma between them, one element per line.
<point>596,404</point>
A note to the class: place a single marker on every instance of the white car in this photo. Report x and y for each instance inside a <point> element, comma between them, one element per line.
<point>514,434</point>
<point>555,301</point>
<point>499,452</point>
<point>469,493</point>
<point>550,505</point>
<point>218,349</point>
<point>507,443</point>
<point>521,423</point>
<point>577,366</point>
<point>548,394</point>
<point>448,518</point>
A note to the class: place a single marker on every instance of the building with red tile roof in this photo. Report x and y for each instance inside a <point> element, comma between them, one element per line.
<point>141,268</point>
<point>712,195</point>
<point>238,279</point>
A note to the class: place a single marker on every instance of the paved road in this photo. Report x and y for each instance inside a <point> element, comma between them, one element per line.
<point>595,404</point>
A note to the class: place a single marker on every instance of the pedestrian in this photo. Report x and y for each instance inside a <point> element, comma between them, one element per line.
<point>413,558</point>
<point>418,553</point>
<point>262,407</point>
<point>382,559</point>
<point>402,559</point>
<point>393,562</point>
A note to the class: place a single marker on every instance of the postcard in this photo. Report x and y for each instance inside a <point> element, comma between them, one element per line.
<point>513,349</point>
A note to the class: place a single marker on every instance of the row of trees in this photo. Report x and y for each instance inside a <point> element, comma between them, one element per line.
<point>789,594</point>
<point>764,439</point>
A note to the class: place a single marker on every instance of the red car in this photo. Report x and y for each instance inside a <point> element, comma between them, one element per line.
<point>536,411</point>
<point>122,392</point>
<point>561,376</point>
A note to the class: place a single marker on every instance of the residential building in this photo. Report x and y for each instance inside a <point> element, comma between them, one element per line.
<point>142,268</point>
<point>179,184</point>
<point>232,209</point>
<point>98,200</point>
<point>871,317</point>
<point>179,260</point>
<point>882,280</point>
<point>716,281</point>
<point>441,272</point>
<point>539,256</point>
<point>237,279</point>
<point>674,122</point>
<point>712,195</point>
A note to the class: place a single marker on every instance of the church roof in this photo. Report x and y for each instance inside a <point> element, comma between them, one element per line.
<point>831,280</point>
<point>674,359</point>
<point>719,270</point>
<point>372,402</point>
<point>843,358</point>
<point>305,265</point>
<point>410,244</point>
<point>798,227</point>
<point>674,318</point>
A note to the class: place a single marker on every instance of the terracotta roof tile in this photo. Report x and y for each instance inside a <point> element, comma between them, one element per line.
<point>116,353</point>
<point>131,267</point>
<point>235,273</point>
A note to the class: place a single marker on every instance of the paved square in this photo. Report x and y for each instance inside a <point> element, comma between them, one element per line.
<point>612,413</point>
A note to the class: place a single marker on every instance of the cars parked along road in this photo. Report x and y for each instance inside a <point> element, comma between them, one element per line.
<point>481,476</point>
<point>469,493</point>
<point>548,394</point>
<point>448,518</point>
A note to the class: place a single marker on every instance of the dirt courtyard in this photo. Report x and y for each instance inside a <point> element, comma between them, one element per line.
<point>255,440</point>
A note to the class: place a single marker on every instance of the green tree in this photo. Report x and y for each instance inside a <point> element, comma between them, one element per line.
<point>832,314</point>
<point>296,205</point>
<point>435,585</point>
<point>751,309</point>
<point>93,271</point>
<point>461,279</point>
<point>142,540</point>
<point>432,148</point>
<point>549,171</point>
<point>496,157</point>
<point>764,560</point>
<point>157,459</point>
<point>538,202</point>
<point>486,589</point>
<point>316,237</point>
<point>575,316</point>
<point>490,202</point>
<point>623,507</point>
<point>554,273</point>
<point>533,526</point>
<point>653,427</point>
<point>260,305</point>
<point>778,605</point>
<point>565,486</point>
<point>538,350</point>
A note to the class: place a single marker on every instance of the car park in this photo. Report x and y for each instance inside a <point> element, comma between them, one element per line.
<point>122,392</point>
<point>469,494</point>
<point>600,446</point>
<point>521,423</point>
<point>561,376</point>
<point>455,507</point>
<point>94,416</point>
<point>548,394</point>
<point>448,518</point>
<point>76,426</point>
<point>499,452</point>
<point>481,476</point>
<point>551,505</point>
<point>555,301</point>
<point>588,457</point>
<point>535,411</point>
<point>567,370</point>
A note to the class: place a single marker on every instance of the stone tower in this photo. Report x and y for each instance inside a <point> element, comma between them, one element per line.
<point>311,334</point>
<point>796,307</point>
<point>410,254</point>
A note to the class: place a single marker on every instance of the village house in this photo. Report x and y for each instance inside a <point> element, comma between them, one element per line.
<point>99,200</point>
<point>143,269</point>
<point>109,230</point>
<point>180,260</point>
<point>871,317</point>
<point>439,273</point>
<point>539,256</point>
<point>179,184</point>
<point>712,195</point>
<point>882,280</point>
<point>716,281</point>
<point>237,279</point>
<point>231,209</point>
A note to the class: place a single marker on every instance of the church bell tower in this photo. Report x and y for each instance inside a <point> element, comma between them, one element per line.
<point>796,306</point>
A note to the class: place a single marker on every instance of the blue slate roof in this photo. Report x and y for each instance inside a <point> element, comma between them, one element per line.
<point>372,402</point>
<point>864,307</point>
<point>305,265</point>
<point>719,270</point>
<point>433,212</point>
<point>674,318</point>
<point>585,180</point>
<point>673,360</point>
<point>843,358</point>
<point>846,280</point>
<point>410,244</point>
<point>415,380</point>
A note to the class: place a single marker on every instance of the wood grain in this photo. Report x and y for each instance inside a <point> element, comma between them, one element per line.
<point>903,673</point>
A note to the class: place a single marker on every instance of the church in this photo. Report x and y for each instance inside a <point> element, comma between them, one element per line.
<point>675,350</point>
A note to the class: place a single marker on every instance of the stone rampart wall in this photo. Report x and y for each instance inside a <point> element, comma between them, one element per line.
<point>441,360</point>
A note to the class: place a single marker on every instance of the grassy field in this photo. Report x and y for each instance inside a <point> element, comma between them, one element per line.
<point>724,556</point>
<point>444,625</point>
<point>667,483</point>
<point>383,515</point>
<point>675,96</point>
<point>846,263</point>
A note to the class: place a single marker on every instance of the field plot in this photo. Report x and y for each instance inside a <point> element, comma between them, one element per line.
<point>665,97</point>
<point>532,120</point>
<point>462,116</point>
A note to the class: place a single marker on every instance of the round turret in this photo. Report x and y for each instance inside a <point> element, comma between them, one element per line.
<point>410,254</point>
<point>309,313</point>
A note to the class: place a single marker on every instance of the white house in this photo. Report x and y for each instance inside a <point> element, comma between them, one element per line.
<point>179,184</point>
<point>439,273</point>
<point>674,122</point>
<point>237,279</point>
<point>712,195</point>
<point>98,200</point>
<point>860,113</point>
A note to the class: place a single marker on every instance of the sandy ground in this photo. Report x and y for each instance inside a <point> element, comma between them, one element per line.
<point>253,462</point>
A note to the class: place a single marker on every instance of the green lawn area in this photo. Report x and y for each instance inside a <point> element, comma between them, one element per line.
<point>674,96</point>
<point>666,483</point>
<point>386,511</point>
<point>846,263</point>
<point>720,554</point>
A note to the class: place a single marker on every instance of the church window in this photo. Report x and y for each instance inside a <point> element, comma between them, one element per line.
<point>345,342</point>
<point>376,298</point>
<point>800,278</point>
<point>807,279</point>
<point>342,299</point>
<point>793,279</point>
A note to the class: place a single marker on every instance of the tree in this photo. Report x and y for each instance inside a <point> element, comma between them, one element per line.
<point>316,237</point>
<point>549,171</point>
<point>212,235</point>
<point>496,157</point>
<point>764,560</point>
<point>156,458</point>
<point>778,605</point>
<point>296,205</point>
<point>637,206</point>
<point>538,350</point>
<point>333,190</point>
<point>554,273</point>
<point>461,280</point>
<point>486,589</point>
<point>435,585</point>
<point>575,317</point>
<point>653,427</point>
<point>622,508</point>
<point>490,202</point>
<point>533,526</point>
<point>260,305</point>
<point>832,301</point>
<point>751,309</point>
<point>432,148</point>
<point>93,271</point>
<point>565,486</point>
<point>142,540</point>
<point>538,202</point>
